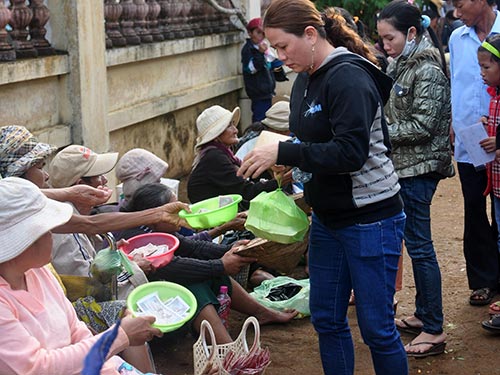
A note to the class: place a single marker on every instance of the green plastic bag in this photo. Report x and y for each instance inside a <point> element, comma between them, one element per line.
<point>275,217</point>
<point>299,302</point>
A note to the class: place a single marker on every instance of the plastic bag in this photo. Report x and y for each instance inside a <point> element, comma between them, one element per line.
<point>275,217</point>
<point>299,302</point>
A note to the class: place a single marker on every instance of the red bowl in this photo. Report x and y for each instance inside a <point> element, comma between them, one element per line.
<point>156,239</point>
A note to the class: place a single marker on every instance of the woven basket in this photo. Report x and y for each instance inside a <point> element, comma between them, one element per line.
<point>242,276</point>
<point>204,353</point>
<point>280,257</point>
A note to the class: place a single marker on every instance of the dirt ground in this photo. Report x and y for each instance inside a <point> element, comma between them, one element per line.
<point>471,350</point>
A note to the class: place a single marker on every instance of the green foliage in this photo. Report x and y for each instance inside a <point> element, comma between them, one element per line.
<point>366,10</point>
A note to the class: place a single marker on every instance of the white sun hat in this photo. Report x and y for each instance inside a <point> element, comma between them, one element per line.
<point>26,215</point>
<point>213,121</point>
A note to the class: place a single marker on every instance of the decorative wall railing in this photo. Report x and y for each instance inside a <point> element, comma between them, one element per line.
<point>132,22</point>
<point>26,35</point>
<point>128,22</point>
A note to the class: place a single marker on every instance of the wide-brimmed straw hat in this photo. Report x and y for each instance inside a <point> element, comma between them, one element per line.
<point>20,150</point>
<point>25,215</point>
<point>277,116</point>
<point>213,121</point>
<point>139,167</point>
<point>75,162</point>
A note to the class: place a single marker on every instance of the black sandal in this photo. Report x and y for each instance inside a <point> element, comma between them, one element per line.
<point>481,297</point>
<point>492,325</point>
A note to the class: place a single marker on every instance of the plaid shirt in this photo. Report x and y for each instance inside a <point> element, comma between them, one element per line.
<point>493,121</point>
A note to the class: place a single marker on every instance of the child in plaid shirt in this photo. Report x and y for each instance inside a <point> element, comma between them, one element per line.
<point>489,61</point>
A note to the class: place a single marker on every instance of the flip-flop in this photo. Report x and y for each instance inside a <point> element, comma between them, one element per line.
<point>408,328</point>
<point>435,349</point>
<point>494,308</point>
<point>492,325</point>
<point>483,296</point>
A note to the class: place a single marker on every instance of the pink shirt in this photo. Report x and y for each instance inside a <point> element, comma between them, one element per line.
<point>40,332</point>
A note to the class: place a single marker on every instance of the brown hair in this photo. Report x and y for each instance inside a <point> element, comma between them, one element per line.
<point>293,16</point>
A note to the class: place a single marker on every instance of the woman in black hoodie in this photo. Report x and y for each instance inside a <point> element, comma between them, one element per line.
<point>356,234</point>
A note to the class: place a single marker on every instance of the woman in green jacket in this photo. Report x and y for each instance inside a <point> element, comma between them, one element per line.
<point>418,114</point>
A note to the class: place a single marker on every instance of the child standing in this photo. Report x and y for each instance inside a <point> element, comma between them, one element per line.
<point>488,55</point>
<point>257,62</point>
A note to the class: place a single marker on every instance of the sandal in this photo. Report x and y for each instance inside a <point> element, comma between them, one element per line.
<point>481,297</point>
<point>493,324</point>
<point>435,349</point>
<point>408,328</point>
<point>494,308</point>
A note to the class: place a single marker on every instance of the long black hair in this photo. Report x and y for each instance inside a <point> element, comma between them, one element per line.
<point>149,196</point>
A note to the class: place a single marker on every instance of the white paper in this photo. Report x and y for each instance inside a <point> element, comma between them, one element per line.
<point>470,137</point>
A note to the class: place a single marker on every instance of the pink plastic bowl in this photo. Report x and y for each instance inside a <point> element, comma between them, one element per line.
<point>160,260</point>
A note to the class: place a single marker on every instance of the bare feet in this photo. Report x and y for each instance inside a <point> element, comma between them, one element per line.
<point>424,343</point>
<point>269,316</point>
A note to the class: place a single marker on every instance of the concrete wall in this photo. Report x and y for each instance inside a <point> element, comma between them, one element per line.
<point>140,96</point>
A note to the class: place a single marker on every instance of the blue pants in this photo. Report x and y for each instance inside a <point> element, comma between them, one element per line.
<point>259,109</point>
<point>363,257</point>
<point>417,193</point>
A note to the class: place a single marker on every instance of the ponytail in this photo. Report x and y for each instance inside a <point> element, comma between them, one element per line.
<point>339,34</point>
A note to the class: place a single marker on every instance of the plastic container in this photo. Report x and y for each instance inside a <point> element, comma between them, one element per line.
<point>160,260</point>
<point>224,305</point>
<point>165,291</point>
<point>214,214</point>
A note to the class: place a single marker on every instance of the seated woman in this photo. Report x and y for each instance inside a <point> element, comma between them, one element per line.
<point>215,165</point>
<point>24,156</point>
<point>138,167</point>
<point>41,333</point>
<point>202,267</point>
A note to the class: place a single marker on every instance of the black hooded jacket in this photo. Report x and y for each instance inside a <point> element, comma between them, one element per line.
<point>337,113</point>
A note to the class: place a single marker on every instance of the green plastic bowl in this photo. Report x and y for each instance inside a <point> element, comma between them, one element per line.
<point>214,216</point>
<point>165,291</point>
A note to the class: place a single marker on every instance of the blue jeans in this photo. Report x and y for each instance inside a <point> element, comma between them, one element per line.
<point>363,257</point>
<point>417,193</point>
<point>259,108</point>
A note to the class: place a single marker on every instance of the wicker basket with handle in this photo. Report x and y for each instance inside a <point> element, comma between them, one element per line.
<point>203,353</point>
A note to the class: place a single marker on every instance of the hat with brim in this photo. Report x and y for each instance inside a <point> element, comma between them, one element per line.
<point>20,150</point>
<point>75,162</point>
<point>26,215</point>
<point>277,116</point>
<point>213,121</point>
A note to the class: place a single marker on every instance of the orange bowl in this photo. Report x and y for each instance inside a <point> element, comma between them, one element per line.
<point>159,260</point>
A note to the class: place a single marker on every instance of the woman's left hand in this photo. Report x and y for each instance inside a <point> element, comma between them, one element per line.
<point>258,161</point>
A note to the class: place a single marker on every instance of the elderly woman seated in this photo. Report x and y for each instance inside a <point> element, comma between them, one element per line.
<point>215,165</point>
<point>41,333</point>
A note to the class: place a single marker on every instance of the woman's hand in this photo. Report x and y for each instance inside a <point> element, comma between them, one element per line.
<point>145,265</point>
<point>139,329</point>
<point>282,174</point>
<point>258,161</point>
<point>170,211</point>
<point>233,263</point>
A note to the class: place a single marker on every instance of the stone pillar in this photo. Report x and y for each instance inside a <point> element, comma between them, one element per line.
<point>7,52</point>
<point>129,10</point>
<point>20,19</point>
<point>41,15</point>
<point>78,27</point>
